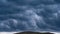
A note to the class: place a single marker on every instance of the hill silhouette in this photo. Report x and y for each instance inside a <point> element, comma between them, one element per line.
<point>29,32</point>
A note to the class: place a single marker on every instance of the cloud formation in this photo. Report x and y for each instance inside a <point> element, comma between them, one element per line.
<point>20,15</point>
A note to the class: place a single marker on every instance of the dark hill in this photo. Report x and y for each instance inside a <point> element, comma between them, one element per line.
<point>33,33</point>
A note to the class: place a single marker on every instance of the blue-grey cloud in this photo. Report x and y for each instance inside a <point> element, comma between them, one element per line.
<point>35,15</point>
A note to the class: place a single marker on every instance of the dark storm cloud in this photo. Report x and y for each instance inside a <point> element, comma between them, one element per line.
<point>9,9</point>
<point>31,2</point>
<point>29,15</point>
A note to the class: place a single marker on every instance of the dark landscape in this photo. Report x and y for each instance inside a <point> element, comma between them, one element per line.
<point>33,33</point>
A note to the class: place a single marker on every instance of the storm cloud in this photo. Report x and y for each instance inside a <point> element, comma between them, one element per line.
<point>35,15</point>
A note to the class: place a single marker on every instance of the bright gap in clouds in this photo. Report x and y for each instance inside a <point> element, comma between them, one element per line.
<point>18,32</point>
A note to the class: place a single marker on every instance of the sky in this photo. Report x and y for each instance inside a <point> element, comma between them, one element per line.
<point>30,15</point>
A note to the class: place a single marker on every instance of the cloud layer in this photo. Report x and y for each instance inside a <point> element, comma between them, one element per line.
<point>35,15</point>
